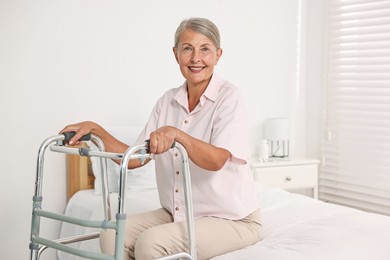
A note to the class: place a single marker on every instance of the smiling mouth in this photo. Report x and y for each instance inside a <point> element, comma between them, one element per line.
<point>196,69</point>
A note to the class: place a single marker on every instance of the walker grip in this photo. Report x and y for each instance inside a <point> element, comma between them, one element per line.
<point>69,135</point>
<point>148,145</point>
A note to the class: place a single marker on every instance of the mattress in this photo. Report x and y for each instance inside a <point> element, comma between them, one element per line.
<point>294,226</point>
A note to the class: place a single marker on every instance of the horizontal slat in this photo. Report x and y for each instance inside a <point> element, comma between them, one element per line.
<point>382,163</point>
<point>352,192</point>
<point>358,4</point>
<point>355,192</point>
<point>350,202</point>
<point>333,144</point>
<point>369,38</point>
<point>346,15</point>
<point>352,166</point>
<point>356,152</point>
<point>342,54</point>
<point>367,194</point>
<point>361,31</point>
<point>375,166</point>
<point>333,164</point>
<point>335,3</point>
<point>362,124</point>
<point>356,197</point>
<point>340,77</point>
<point>353,138</point>
<point>362,69</point>
<point>361,61</point>
<point>379,164</point>
<point>362,113</point>
<point>332,157</point>
<point>349,166</point>
<point>353,183</point>
<point>383,84</point>
<point>376,137</point>
<point>356,176</point>
<point>369,112</point>
<point>370,6</point>
<point>338,46</point>
<point>346,89</point>
<point>381,168</point>
<point>367,191</point>
<point>339,25</point>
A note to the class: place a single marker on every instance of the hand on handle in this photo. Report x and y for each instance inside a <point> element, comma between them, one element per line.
<point>69,135</point>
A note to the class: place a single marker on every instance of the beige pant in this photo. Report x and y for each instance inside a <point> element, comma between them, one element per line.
<point>153,234</point>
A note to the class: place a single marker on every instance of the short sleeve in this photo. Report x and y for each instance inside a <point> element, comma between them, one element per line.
<point>230,129</point>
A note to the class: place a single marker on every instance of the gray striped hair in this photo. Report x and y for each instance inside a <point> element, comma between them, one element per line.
<point>202,26</point>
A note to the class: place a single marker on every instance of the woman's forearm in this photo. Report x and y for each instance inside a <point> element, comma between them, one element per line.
<point>203,154</point>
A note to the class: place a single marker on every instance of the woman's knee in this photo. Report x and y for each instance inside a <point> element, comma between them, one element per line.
<point>150,245</point>
<point>107,241</point>
<point>107,244</point>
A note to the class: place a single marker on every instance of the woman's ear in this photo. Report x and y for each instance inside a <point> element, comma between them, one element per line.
<point>219,54</point>
<point>175,53</point>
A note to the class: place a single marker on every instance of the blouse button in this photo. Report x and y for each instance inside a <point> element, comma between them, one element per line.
<point>177,172</point>
<point>186,122</point>
<point>176,190</point>
<point>177,208</point>
<point>176,154</point>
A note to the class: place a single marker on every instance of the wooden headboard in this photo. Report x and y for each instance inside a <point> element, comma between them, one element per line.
<point>79,173</point>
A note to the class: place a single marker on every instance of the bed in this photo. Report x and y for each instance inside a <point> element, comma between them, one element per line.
<point>294,226</point>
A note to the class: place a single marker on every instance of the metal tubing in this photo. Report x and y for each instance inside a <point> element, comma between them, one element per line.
<point>69,240</point>
<point>71,250</point>
<point>182,255</point>
<point>76,221</point>
<point>37,198</point>
<point>119,225</point>
<point>36,250</point>
<point>92,153</point>
<point>129,154</point>
<point>103,165</point>
<point>188,199</point>
<point>187,192</point>
<point>40,160</point>
<point>120,235</point>
<point>78,238</point>
<point>104,178</point>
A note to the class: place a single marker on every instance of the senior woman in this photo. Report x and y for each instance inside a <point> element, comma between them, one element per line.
<point>206,115</point>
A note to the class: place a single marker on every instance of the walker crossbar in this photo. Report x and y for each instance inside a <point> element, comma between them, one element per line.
<point>75,221</point>
<point>141,152</point>
<point>71,250</point>
<point>71,239</point>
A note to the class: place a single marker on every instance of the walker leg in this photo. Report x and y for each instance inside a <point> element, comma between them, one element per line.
<point>34,252</point>
<point>120,235</point>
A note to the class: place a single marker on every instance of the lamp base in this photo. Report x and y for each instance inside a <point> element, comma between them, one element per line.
<point>279,148</point>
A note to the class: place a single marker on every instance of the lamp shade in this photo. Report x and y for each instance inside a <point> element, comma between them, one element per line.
<point>277,128</point>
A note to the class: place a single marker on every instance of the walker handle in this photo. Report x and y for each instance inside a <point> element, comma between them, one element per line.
<point>148,145</point>
<point>69,135</point>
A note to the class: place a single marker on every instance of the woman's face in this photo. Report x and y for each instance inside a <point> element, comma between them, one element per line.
<point>196,55</point>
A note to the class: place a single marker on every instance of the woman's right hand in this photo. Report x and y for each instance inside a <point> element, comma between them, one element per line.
<point>111,144</point>
<point>81,129</point>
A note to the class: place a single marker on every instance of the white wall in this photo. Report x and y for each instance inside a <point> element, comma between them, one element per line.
<point>66,61</point>
<point>315,76</point>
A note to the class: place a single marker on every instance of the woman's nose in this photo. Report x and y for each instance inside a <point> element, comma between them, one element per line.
<point>195,58</point>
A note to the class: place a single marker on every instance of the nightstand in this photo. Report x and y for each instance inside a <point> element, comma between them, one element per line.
<point>288,174</point>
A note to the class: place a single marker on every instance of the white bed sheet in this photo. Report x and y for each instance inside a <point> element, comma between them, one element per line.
<point>295,227</point>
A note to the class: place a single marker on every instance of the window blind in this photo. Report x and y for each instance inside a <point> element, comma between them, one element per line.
<point>356,147</point>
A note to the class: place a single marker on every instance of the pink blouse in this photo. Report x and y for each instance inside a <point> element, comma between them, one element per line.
<point>219,119</point>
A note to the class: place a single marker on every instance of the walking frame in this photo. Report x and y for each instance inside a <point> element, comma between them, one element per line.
<point>57,144</point>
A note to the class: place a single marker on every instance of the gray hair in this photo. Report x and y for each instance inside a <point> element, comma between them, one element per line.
<point>202,26</point>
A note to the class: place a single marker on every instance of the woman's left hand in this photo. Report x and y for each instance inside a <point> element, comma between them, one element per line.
<point>162,139</point>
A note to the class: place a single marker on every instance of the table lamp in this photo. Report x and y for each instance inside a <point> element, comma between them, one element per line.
<point>277,133</point>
